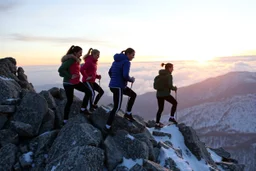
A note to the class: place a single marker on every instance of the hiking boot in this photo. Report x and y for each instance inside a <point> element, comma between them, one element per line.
<point>92,110</point>
<point>173,120</point>
<point>86,112</point>
<point>159,125</point>
<point>107,131</point>
<point>95,106</point>
<point>129,117</point>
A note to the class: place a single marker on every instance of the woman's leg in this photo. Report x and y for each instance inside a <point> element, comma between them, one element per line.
<point>132,96</point>
<point>117,98</point>
<point>69,89</point>
<point>160,102</point>
<point>90,87</point>
<point>100,91</point>
<point>81,87</point>
<point>174,103</point>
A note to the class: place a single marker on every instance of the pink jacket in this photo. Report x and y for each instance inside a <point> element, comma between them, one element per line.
<point>89,69</point>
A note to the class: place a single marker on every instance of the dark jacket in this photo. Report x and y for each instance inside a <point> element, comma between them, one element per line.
<point>169,85</point>
<point>119,71</point>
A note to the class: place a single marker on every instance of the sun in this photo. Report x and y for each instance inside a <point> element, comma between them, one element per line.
<point>202,60</point>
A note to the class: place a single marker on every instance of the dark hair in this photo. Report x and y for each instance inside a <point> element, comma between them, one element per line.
<point>167,65</point>
<point>128,51</point>
<point>73,49</point>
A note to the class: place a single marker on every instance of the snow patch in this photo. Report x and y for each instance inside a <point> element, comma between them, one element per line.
<point>129,136</point>
<point>129,163</point>
<point>28,157</point>
<point>54,167</point>
<point>214,156</point>
<point>6,79</point>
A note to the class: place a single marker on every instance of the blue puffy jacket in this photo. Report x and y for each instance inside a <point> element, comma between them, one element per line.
<point>119,71</point>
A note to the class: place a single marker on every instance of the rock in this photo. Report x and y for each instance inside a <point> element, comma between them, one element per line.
<point>23,129</point>
<point>8,156</point>
<point>23,80</point>
<point>73,135</point>
<point>48,122</point>
<point>85,158</point>
<point>231,166</point>
<point>124,145</point>
<point>195,145</point>
<point>32,110</point>
<point>3,120</point>
<point>49,98</point>
<point>100,117</point>
<point>161,134</point>
<point>8,136</point>
<point>11,101</point>
<point>9,89</point>
<point>221,152</point>
<point>149,165</point>
<point>7,109</point>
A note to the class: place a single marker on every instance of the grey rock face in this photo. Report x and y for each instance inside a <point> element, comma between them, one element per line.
<point>9,89</point>
<point>221,152</point>
<point>48,122</point>
<point>195,145</point>
<point>231,166</point>
<point>8,136</point>
<point>7,156</point>
<point>124,145</point>
<point>100,117</point>
<point>23,129</point>
<point>72,135</point>
<point>149,165</point>
<point>85,158</point>
<point>49,98</point>
<point>32,110</point>
<point>42,143</point>
<point>3,120</point>
<point>7,109</point>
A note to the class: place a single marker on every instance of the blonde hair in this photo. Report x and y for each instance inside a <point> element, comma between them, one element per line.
<point>91,51</point>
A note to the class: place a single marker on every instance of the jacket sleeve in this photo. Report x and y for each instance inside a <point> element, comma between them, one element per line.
<point>64,69</point>
<point>170,84</point>
<point>126,71</point>
<point>83,70</point>
<point>110,71</point>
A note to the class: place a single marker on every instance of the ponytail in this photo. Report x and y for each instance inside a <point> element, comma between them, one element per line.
<point>73,49</point>
<point>88,53</point>
<point>167,65</point>
<point>128,51</point>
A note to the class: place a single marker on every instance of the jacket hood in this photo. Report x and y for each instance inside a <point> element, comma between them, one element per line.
<point>90,58</point>
<point>70,56</point>
<point>163,72</point>
<point>120,57</point>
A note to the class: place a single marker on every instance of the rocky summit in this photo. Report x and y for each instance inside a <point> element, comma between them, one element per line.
<point>33,136</point>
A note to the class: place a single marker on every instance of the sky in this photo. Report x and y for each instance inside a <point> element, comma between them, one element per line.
<point>41,32</point>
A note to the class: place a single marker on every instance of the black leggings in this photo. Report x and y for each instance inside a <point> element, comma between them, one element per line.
<point>69,89</point>
<point>160,101</point>
<point>94,87</point>
<point>117,98</point>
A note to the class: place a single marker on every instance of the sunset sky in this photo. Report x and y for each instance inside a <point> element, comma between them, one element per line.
<point>40,32</point>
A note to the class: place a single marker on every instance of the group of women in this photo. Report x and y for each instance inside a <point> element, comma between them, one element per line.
<point>70,70</point>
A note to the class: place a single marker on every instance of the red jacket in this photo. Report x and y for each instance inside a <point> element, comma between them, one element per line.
<point>70,66</point>
<point>89,69</point>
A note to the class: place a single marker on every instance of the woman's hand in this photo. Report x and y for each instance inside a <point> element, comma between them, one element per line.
<point>74,76</point>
